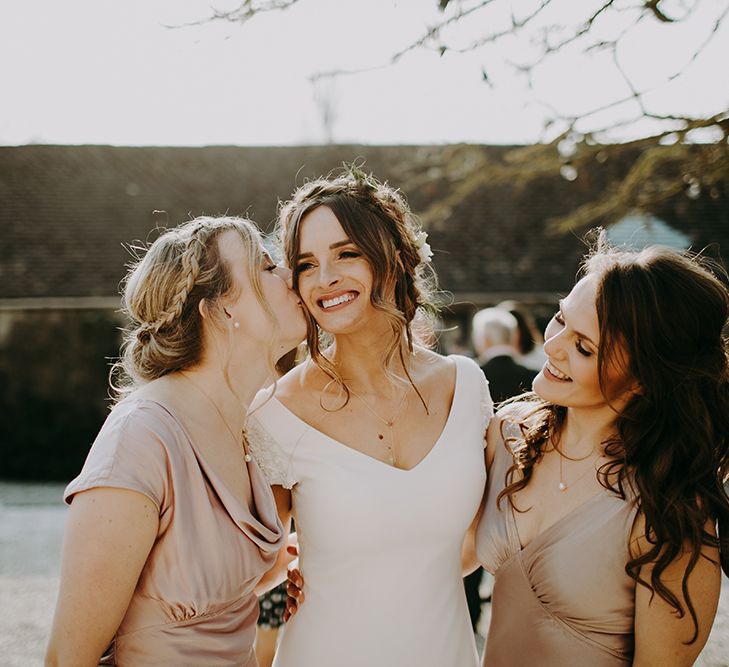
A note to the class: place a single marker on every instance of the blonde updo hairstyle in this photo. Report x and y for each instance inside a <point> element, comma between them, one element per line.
<point>377,219</point>
<point>163,292</point>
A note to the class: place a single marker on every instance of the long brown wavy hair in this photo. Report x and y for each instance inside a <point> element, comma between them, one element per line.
<point>378,220</point>
<point>670,449</point>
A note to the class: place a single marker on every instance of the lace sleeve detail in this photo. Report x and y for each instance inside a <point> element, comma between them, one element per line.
<point>486,405</point>
<point>269,456</point>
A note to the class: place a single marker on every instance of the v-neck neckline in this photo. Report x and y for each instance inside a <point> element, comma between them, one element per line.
<point>553,526</point>
<point>357,452</point>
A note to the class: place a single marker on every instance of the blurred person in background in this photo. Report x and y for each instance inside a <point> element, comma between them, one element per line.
<point>529,339</point>
<point>494,333</point>
<point>172,525</point>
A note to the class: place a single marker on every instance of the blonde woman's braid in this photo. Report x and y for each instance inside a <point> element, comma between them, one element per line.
<point>190,272</point>
<point>163,292</point>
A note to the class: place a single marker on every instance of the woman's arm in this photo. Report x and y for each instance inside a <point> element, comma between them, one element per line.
<point>281,570</point>
<point>277,573</point>
<point>109,534</point>
<point>469,559</point>
<point>659,632</point>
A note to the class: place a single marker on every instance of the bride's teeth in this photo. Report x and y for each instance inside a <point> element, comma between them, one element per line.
<point>558,373</point>
<point>328,303</point>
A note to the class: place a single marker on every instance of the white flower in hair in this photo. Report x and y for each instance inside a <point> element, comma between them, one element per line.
<point>423,248</point>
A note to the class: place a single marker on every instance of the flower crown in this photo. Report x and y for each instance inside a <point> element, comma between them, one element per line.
<point>417,238</point>
<point>422,246</point>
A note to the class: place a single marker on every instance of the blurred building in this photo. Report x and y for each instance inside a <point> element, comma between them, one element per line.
<point>68,213</point>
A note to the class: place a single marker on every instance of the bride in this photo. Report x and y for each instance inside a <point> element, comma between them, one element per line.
<point>375,444</point>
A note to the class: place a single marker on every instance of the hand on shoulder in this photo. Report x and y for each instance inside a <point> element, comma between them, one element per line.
<point>511,413</point>
<point>514,412</point>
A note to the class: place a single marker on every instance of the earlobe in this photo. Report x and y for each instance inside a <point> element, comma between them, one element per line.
<point>236,324</point>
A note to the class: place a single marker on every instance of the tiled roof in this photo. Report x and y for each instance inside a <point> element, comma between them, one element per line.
<point>67,210</point>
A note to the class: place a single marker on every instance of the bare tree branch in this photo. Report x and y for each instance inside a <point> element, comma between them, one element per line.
<point>663,164</point>
<point>516,26</point>
<point>581,31</point>
<point>702,47</point>
<point>247,10</point>
<point>431,34</point>
<point>652,6</point>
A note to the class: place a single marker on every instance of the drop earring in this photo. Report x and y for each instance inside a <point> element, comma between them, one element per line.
<point>236,325</point>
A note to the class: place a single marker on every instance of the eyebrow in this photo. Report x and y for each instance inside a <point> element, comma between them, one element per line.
<point>333,246</point>
<point>579,333</point>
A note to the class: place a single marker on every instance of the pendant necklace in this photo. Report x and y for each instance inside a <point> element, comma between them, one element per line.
<point>390,444</point>
<point>243,437</point>
<point>562,484</point>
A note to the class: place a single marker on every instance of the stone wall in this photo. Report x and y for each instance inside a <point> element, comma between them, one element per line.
<point>54,390</point>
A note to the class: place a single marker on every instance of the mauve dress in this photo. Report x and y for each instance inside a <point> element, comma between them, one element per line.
<point>563,600</point>
<point>194,603</point>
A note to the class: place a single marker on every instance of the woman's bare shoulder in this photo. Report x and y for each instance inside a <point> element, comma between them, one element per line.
<point>433,366</point>
<point>298,385</point>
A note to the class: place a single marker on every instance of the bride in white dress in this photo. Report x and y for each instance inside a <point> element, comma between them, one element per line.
<point>375,444</point>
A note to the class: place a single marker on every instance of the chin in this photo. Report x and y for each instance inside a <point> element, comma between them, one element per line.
<point>334,325</point>
<point>541,387</point>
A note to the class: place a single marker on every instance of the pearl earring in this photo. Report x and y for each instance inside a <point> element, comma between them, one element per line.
<point>236,325</point>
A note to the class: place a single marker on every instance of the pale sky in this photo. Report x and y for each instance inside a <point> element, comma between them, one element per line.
<point>110,72</point>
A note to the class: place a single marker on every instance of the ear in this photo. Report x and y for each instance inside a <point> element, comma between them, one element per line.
<point>202,308</point>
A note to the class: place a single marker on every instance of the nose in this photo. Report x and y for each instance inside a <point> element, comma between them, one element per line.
<point>285,274</point>
<point>328,274</point>
<point>554,344</point>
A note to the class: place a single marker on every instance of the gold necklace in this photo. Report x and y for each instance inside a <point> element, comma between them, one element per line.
<point>562,484</point>
<point>243,437</point>
<point>391,444</point>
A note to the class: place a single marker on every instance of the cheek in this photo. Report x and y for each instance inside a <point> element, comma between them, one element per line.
<point>301,282</point>
<point>584,371</point>
<point>270,289</point>
<point>363,273</point>
<point>303,289</point>
<point>283,294</point>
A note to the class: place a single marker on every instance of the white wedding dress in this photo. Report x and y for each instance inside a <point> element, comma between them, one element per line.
<point>380,547</point>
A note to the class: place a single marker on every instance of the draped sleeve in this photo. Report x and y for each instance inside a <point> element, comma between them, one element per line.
<point>129,453</point>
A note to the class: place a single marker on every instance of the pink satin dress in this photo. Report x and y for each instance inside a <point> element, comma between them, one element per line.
<point>194,603</point>
<point>564,598</point>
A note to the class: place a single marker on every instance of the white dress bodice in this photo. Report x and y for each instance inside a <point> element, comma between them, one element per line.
<point>380,547</point>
